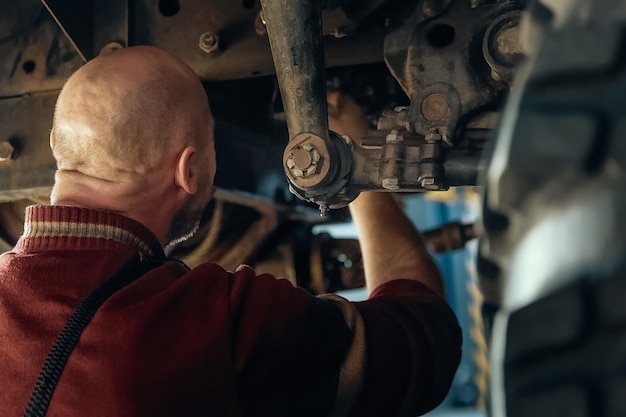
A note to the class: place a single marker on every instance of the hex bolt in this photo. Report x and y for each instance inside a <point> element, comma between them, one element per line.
<point>390,184</point>
<point>209,42</point>
<point>323,209</point>
<point>110,47</point>
<point>7,152</point>
<point>303,160</point>
<point>394,137</point>
<point>429,183</point>
<point>433,135</point>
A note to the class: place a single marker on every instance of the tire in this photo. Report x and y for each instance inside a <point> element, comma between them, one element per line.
<point>553,260</point>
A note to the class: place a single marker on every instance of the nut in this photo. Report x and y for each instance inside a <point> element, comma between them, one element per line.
<point>7,152</point>
<point>209,42</point>
<point>429,183</point>
<point>394,137</point>
<point>323,209</point>
<point>303,160</point>
<point>110,47</point>
<point>390,183</point>
<point>433,135</point>
<point>297,172</point>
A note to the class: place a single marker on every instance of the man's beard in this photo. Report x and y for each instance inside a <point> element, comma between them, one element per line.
<point>184,224</point>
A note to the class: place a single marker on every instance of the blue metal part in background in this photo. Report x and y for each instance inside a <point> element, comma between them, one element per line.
<point>457,267</point>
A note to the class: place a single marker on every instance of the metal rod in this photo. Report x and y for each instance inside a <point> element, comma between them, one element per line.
<point>294,29</point>
<point>450,236</point>
<point>463,166</point>
<point>67,35</point>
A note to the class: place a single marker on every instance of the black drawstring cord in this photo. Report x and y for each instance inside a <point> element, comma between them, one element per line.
<point>68,338</point>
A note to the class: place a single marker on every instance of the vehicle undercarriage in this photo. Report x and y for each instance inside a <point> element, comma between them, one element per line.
<point>524,99</point>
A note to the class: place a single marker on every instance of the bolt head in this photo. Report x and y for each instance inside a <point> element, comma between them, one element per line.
<point>390,184</point>
<point>433,135</point>
<point>429,183</point>
<point>394,137</point>
<point>303,160</point>
<point>7,151</point>
<point>110,47</point>
<point>209,42</point>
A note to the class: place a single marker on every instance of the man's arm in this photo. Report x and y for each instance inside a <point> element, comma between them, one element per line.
<point>390,245</point>
<point>392,355</point>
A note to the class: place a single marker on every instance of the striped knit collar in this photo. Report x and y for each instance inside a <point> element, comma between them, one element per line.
<point>79,228</point>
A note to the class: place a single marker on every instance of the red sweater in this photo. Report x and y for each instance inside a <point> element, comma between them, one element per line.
<point>207,342</point>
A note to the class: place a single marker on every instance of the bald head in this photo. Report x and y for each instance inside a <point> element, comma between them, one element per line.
<point>132,131</point>
<point>122,113</point>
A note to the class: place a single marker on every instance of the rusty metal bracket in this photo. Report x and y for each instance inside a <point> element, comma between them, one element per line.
<point>27,166</point>
<point>453,60</point>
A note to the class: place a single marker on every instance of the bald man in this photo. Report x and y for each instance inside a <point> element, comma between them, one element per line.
<point>135,127</point>
<point>133,139</point>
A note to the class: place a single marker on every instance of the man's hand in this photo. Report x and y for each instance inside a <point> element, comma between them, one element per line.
<point>390,245</point>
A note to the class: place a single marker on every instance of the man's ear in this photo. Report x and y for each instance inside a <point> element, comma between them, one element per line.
<point>186,176</point>
<point>52,139</point>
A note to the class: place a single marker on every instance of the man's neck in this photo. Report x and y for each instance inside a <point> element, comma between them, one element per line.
<point>150,204</point>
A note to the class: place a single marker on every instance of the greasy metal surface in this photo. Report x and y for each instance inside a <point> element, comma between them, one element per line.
<point>463,166</point>
<point>31,173</point>
<point>31,40</point>
<point>408,163</point>
<point>38,57</point>
<point>295,34</point>
<point>34,54</point>
<point>244,48</point>
<point>414,163</point>
<point>331,187</point>
<point>436,56</point>
<point>299,176</point>
<point>294,29</point>
<point>502,46</point>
